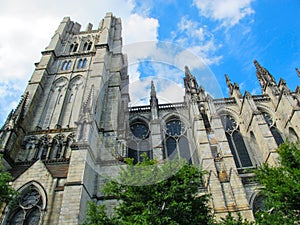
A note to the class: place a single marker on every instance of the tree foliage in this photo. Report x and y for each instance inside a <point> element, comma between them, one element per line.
<point>231,220</point>
<point>151,193</point>
<point>281,188</point>
<point>7,193</point>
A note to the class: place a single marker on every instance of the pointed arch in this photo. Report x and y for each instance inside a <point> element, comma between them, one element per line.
<point>70,111</point>
<point>236,142</point>
<point>31,205</point>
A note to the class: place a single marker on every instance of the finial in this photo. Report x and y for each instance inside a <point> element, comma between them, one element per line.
<point>201,89</point>
<point>187,71</point>
<point>226,77</point>
<point>153,91</point>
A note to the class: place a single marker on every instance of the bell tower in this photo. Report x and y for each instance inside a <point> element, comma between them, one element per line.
<point>75,102</point>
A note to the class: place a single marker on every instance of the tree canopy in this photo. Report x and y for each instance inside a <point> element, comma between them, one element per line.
<point>281,188</point>
<point>147,196</point>
<point>7,193</point>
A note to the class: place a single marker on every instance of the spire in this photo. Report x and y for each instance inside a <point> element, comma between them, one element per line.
<point>298,72</point>
<point>187,72</point>
<point>190,82</point>
<point>228,82</point>
<point>263,75</point>
<point>153,92</point>
<point>153,98</point>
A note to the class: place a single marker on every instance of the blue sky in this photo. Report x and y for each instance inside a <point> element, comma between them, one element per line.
<point>212,37</point>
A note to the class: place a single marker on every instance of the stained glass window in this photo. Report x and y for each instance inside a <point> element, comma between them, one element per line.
<point>275,133</point>
<point>28,209</point>
<point>176,142</point>
<point>140,143</point>
<point>236,142</point>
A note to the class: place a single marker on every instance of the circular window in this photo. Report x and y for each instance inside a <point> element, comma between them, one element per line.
<point>139,130</point>
<point>175,128</point>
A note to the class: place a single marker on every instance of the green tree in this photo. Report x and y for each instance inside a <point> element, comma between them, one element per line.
<point>231,220</point>
<point>281,188</point>
<point>151,193</point>
<point>7,193</point>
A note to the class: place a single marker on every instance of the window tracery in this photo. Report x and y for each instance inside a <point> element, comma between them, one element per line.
<point>275,133</point>
<point>236,142</point>
<point>176,142</point>
<point>139,143</point>
<point>29,207</point>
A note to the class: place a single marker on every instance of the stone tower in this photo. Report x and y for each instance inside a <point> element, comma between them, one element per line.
<point>74,104</point>
<point>73,128</point>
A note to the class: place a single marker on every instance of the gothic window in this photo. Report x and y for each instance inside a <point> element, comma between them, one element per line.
<point>176,142</point>
<point>42,149</point>
<point>81,63</point>
<point>257,204</point>
<point>139,144</point>
<point>69,65</point>
<point>236,142</point>
<point>87,46</point>
<point>84,63</point>
<point>73,47</point>
<point>28,209</point>
<point>275,133</point>
<point>64,65</point>
<point>57,147</point>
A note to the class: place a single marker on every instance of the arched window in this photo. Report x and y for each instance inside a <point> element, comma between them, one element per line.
<point>73,47</point>
<point>57,147</point>
<point>84,63</point>
<point>258,203</point>
<point>275,133</point>
<point>29,207</point>
<point>64,65</point>
<point>176,142</point>
<point>69,65</point>
<point>140,143</point>
<point>236,142</point>
<point>79,65</point>
<point>87,46</point>
<point>42,150</point>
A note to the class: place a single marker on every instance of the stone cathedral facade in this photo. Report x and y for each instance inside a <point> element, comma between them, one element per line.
<point>73,125</point>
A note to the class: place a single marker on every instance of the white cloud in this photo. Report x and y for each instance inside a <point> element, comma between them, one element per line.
<point>228,12</point>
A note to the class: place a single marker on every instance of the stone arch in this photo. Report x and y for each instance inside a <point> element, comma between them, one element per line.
<point>54,104</point>
<point>228,111</point>
<point>177,140</point>
<point>270,119</point>
<point>57,147</point>
<point>235,139</point>
<point>43,146</point>
<point>256,201</point>
<point>139,142</point>
<point>30,206</point>
<point>70,110</point>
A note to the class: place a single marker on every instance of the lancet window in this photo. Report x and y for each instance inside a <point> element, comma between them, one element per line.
<point>275,133</point>
<point>236,142</point>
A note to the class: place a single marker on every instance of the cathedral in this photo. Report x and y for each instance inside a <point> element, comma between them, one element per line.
<point>73,127</point>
